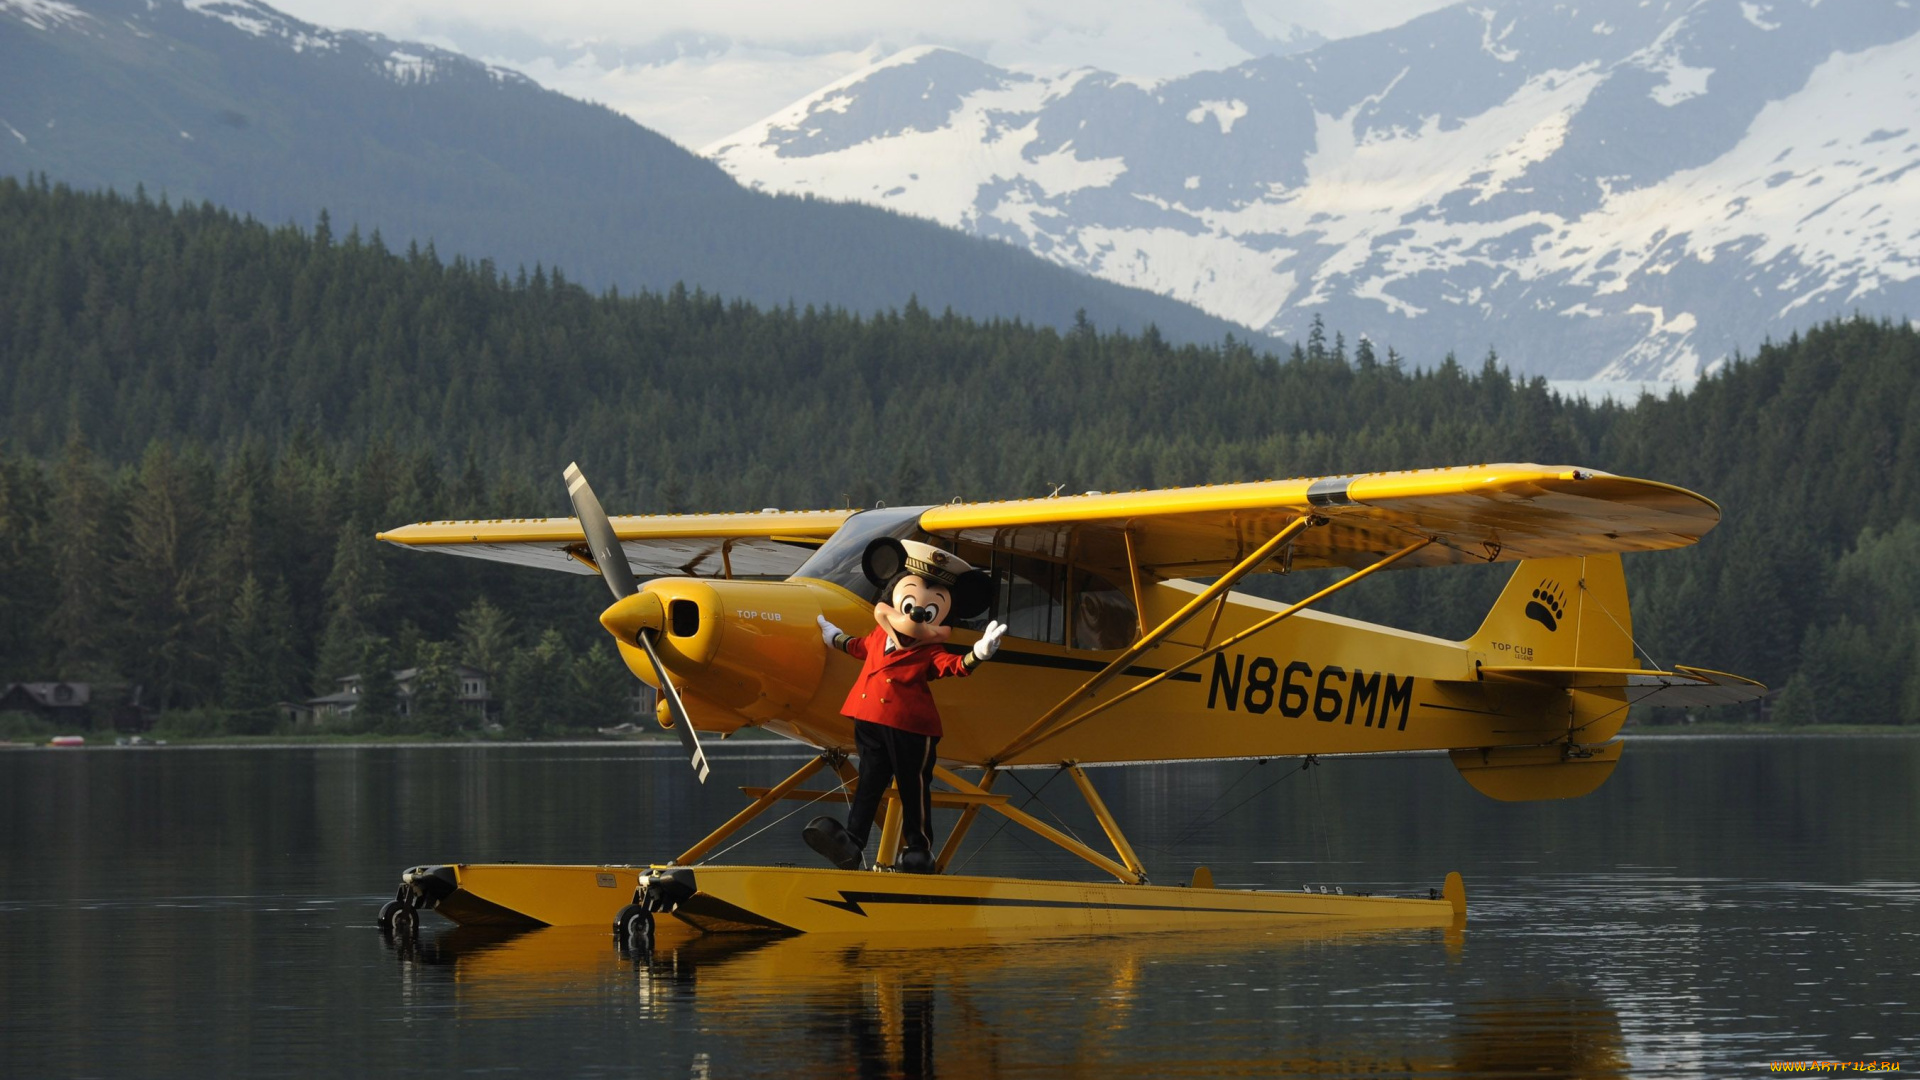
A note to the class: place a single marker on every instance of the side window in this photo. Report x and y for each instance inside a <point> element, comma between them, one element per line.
<point>1103,614</point>
<point>1029,596</point>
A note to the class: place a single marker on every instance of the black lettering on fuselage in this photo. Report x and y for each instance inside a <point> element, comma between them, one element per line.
<point>1221,680</point>
<point>1401,691</point>
<point>1365,690</point>
<point>1261,684</point>
<point>1259,695</point>
<point>1326,699</point>
<point>1293,696</point>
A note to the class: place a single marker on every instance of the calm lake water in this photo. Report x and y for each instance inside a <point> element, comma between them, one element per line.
<point>1721,903</point>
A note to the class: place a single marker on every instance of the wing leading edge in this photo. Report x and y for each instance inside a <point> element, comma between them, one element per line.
<point>771,543</point>
<point>1482,513</point>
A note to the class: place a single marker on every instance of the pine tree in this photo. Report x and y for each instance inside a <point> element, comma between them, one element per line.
<point>80,515</point>
<point>378,709</point>
<point>434,706</point>
<point>23,557</point>
<point>169,625</point>
<point>259,667</point>
<point>486,638</point>
<point>1363,358</point>
<point>603,694</point>
<point>537,694</point>
<point>356,594</point>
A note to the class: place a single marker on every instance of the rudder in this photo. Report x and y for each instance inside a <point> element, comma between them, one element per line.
<point>1557,613</point>
<point>1569,612</point>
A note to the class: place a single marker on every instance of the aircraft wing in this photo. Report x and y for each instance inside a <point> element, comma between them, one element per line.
<point>772,543</point>
<point>1481,513</point>
<point>1683,687</point>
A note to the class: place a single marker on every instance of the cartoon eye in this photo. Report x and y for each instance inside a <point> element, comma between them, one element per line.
<point>931,613</point>
<point>907,607</point>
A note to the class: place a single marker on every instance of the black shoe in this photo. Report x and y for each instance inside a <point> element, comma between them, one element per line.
<point>915,861</point>
<point>831,840</point>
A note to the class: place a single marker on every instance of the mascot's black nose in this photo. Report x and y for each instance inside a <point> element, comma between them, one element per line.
<point>922,614</point>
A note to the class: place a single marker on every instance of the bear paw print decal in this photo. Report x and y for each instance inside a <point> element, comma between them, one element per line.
<point>1548,606</point>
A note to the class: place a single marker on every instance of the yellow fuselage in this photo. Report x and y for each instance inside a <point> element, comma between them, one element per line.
<point>1311,684</point>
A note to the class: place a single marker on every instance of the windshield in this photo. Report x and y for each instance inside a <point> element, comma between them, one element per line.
<point>838,560</point>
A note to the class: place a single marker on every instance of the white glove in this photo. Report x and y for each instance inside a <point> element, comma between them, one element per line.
<point>829,633</point>
<point>989,642</point>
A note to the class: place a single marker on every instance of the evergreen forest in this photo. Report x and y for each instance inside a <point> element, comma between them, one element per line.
<point>204,420</point>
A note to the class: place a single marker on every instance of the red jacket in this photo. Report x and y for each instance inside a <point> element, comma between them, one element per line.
<point>892,687</point>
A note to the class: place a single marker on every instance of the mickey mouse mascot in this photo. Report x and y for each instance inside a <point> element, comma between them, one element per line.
<point>895,724</point>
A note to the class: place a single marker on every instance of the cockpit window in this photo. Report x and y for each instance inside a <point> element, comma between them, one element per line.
<point>1039,599</point>
<point>1103,614</point>
<point>1029,596</point>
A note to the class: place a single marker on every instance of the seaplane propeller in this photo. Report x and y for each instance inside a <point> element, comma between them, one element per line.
<point>611,558</point>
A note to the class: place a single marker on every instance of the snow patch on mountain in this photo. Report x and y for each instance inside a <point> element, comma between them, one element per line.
<point>260,20</point>
<point>936,172</point>
<point>1679,81</point>
<point>1756,14</point>
<point>43,14</point>
<point>1223,112</point>
<point>1491,40</point>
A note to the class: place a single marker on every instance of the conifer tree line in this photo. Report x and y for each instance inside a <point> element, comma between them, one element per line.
<point>206,419</point>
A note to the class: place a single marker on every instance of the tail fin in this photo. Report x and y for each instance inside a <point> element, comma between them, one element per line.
<point>1568,612</point>
<point>1562,614</point>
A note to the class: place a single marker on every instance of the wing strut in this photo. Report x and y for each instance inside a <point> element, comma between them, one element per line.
<point>1174,622</point>
<point>1029,741</point>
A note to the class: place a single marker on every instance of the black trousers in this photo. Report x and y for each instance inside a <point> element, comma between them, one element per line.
<point>890,755</point>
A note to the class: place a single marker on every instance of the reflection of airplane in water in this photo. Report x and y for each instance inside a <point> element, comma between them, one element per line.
<point>990,1004</point>
<point>1126,644</point>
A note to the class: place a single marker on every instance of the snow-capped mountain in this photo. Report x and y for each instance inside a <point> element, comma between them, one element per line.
<point>1611,188</point>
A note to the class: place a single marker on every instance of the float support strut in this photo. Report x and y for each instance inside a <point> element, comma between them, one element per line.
<point>967,817</point>
<point>753,810</point>
<point>1126,874</point>
<point>1107,823</point>
<point>891,823</point>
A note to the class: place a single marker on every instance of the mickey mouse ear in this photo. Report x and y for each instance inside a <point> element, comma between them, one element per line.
<point>972,595</point>
<point>884,558</point>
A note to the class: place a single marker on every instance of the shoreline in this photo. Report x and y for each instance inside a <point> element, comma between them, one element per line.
<point>398,742</point>
<point>749,736</point>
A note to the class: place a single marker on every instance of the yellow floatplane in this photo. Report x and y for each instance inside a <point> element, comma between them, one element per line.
<point>1127,644</point>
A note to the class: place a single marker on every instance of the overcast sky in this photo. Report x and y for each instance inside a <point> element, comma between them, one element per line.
<point>698,70</point>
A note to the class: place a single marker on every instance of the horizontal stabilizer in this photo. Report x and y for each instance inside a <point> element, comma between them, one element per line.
<point>1684,687</point>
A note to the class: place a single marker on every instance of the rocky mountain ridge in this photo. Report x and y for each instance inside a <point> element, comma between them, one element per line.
<point>1610,189</point>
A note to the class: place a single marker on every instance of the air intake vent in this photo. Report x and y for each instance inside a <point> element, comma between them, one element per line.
<point>683,618</point>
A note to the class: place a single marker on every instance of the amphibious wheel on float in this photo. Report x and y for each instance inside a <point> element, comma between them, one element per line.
<point>387,910</point>
<point>634,925</point>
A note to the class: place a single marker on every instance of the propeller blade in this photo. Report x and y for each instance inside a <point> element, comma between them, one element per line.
<point>678,709</point>
<point>601,540</point>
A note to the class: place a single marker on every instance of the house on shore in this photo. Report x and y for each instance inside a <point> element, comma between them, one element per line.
<point>471,694</point>
<point>61,702</point>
